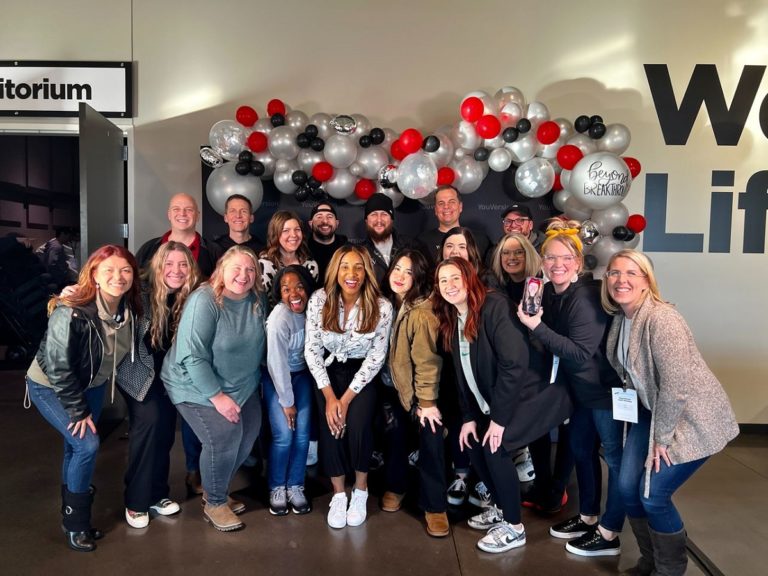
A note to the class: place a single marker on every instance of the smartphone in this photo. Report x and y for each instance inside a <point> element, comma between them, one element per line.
<point>532,295</point>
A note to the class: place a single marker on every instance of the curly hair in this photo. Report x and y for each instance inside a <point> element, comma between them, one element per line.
<point>369,299</point>
<point>447,314</point>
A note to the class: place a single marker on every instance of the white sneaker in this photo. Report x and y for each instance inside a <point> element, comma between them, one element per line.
<point>524,466</point>
<point>501,538</point>
<point>165,507</point>
<point>357,508</point>
<point>312,454</point>
<point>480,496</point>
<point>137,519</point>
<point>487,519</point>
<point>337,515</point>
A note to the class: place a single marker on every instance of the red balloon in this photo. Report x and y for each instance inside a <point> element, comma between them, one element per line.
<point>568,156</point>
<point>548,132</point>
<point>445,176</point>
<point>397,150</point>
<point>633,164</point>
<point>488,126</point>
<point>411,140</point>
<point>636,223</point>
<point>246,116</point>
<point>472,109</point>
<point>364,189</point>
<point>557,185</point>
<point>275,106</point>
<point>322,171</point>
<point>257,141</point>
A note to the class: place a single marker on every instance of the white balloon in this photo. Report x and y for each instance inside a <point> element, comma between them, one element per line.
<point>356,169</point>
<point>559,198</point>
<point>523,149</point>
<point>371,160</point>
<point>469,175</point>
<point>534,178</point>
<point>323,123</point>
<point>283,165</point>
<point>492,143</point>
<point>227,138</point>
<point>537,112</point>
<point>282,143</point>
<point>263,125</point>
<point>549,151</point>
<point>465,136</point>
<point>341,185</point>
<point>284,182</point>
<point>340,150</point>
<point>509,95</point>
<point>575,210</point>
<point>362,125</point>
<point>565,177</point>
<point>499,160</point>
<point>616,139</point>
<point>417,175</point>
<point>224,181</point>
<point>608,218</point>
<point>583,143</point>
<point>307,158</point>
<point>297,120</point>
<point>604,248</point>
<point>566,127</point>
<point>600,180</point>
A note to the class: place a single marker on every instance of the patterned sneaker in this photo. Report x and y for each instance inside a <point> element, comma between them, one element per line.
<point>298,501</point>
<point>593,544</point>
<point>337,515</point>
<point>165,507</point>
<point>457,492</point>
<point>571,528</point>
<point>501,538</point>
<point>136,519</point>
<point>357,507</point>
<point>480,496</point>
<point>487,519</point>
<point>524,466</point>
<point>278,502</point>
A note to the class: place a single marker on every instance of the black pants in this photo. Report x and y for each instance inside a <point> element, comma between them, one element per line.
<point>397,429</point>
<point>353,450</point>
<point>432,484</point>
<point>551,483</point>
<point>498,472</point>
<point>150,439</point>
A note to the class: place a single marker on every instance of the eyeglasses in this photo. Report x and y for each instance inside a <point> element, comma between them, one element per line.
<point>518,252</point>
<point>616,274</point>
<point>567,259</point>
<point>514,222</point>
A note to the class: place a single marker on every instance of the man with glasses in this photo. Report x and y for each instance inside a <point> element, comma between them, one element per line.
<point>517,218</point>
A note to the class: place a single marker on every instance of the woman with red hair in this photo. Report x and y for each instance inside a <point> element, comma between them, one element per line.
<point>90,331</point>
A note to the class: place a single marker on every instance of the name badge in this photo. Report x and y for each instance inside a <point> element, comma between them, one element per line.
<point>625,405</point>
<point>555,366</point>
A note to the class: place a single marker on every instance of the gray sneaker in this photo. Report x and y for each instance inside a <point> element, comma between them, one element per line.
<point>278,502</point>
<point>298,501</point>
<point>501,538</point>
<point>487,519</point>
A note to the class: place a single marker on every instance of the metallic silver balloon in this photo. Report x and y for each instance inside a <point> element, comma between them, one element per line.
<point>356,169</point>
<point>224,182</point>
<point>566,127</point>
<point>588,232</point>
<point>537,112</point>
<point>362,125</point>
<point>297,120</point>
<point>600,180</point>
<point>269,163</point>
<point>282,143</point>
<point>355,201</point>
<point>388,174</point>
<point>575,210</point>
<point>559,198</point>
<point>523,149</point>
<point>465,136</point>
<point>565,177</point>
<point>469,175</point>
<point>341,185</point>
<point>510,114</point>
<point>210,157</point>
<point>391,193</point>
<point>343,124</point>
<point>632,243</point>
<point>604,248</point>
<point>584,143</point>
<point>492,143</point>
<point>307,158</point>
<point>417,175</point>
<point>371,159</point>
<point>534,178</point>
<point>283,165</point>
<point>340,150</point>
<point>323,123</point>
<point>389,137</point>
<point>616,139</point>
<point>443,155</point>
<point>509,95</point>
<point>489,104</point>
<point>549,151</point>
<point>499,160</point>
<point>227,138</point>
<point>608,218</point>
<point>262,125</point>
<point>284,181</point>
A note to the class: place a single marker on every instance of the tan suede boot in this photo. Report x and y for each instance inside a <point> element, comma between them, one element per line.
<point>437,524</point>
<point>222,518</point>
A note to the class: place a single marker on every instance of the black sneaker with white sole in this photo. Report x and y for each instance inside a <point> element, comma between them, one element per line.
<point>480,496</point>
<point>457,492</point>
<point>593,544</point>
<point>571,528</point>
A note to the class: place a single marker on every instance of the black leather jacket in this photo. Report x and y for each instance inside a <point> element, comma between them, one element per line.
<point>70,355</point>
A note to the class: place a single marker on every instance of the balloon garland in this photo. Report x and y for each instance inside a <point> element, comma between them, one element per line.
<point>346,158</point>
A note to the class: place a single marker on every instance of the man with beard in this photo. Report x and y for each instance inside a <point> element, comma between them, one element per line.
<point>324,241</point>
<point>238,215</point>
<point>518,218</point>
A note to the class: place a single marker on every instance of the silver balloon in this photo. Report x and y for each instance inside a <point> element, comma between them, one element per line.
<point>484,168</point>
<point>341,185</point>
<point>262,125</point>
<point>362,125</point>
<point>492,143</point>
<point>616,139</point>
<point>282,143</point>
<point>283,165</point>
<point>343,124</point>
<point>323,123</point>
<point>509,95</point>
<point>417,175</point>
<point>387,174</point>
<point>523,149</point>
<point>469,175</point>
<point>549,151</point>
<point>224,182</point>
<point>608,218</point>
<point>489,104</point>
<point>604,248</point>
<point>588,232</point>
<point>583,143</point>
<point>575,210</point>
<point>600,180</point>
<point>443,155</point>
<point>371,160</point>
<point>537,112</point>
<point>566,127</point>
<point>428,201</point>
<point>559,199</point>
<point>499,160</point>
<point>355,201</point>
<point>459,153</point>
<point>565,177</point>
<point>356,169</point>
<point>534,178</point>
<point>227,138</point>
<point>284,181</point>
<point>340,150</point>
<point>297,120</point>
<point>307,158</point>
<point>632,243</point>
<point>389,137</point>
<point>510,115</point>
<point>210,157</point>
<point>269,163</point>
<point>391,193</point>
<point>465,136</point>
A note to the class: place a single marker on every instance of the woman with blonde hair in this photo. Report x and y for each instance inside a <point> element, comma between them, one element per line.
<point>683,414</point>
<point>347,333</point>
<point>514,260</point>
<point>212,373</point>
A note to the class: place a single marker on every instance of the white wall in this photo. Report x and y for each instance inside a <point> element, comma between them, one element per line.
<point>408,63</point>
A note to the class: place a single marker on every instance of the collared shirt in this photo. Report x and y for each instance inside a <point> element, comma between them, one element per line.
<point>466,367</point>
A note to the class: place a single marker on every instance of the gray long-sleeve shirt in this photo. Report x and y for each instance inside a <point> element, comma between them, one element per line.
<point>285,343</point>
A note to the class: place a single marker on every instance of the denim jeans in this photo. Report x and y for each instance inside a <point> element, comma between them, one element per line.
<point>192,447</point>
<point>587,426</point>
<point>288,450</point>
<point>225,445</point>
<point>79,453</point>
<point>658,507</point>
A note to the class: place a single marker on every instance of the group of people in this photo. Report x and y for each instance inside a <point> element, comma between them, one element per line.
<point>429,332</point>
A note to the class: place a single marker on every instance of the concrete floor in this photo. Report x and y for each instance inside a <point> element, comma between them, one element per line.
<point>724,506</point>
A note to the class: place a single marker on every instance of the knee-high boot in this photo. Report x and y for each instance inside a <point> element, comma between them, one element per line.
<point>670,556</point>
<point>644,566</point>
<point>76,521</point>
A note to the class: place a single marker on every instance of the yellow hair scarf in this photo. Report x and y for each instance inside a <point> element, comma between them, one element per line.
<point>573,232</point>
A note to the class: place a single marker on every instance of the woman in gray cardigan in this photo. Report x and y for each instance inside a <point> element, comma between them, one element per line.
<point>684,415</point>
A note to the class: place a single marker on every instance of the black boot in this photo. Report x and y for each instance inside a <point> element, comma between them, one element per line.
<point>77,521</point>
<point>670,556</point>
<point>644,566</point>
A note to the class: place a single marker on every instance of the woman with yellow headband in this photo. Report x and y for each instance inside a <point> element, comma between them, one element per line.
<point>572,326</point>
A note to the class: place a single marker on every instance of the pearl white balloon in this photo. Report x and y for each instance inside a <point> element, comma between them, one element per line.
<point>362,125</point>
<point>417,175</point>
<point>297,120</point>
<point>307,158</point>
<point>269,163</point>
<point>600,180</point>
<point>608,218</point>
<point>509,95</point>
<point>341,185</point>
<point>523,149</point>
<point>283,165</point>
<point>355,169</point>
<point>224,181</point>
<point>583,143</point>
<point>371,160</point>
<point>616,139</point>
<point>499,160</point>
<point>282,143</point>
<point>575,210</point>
<point>227,138</point>
<point>340,150</point>
<point>492,143</point>
<point>509,115</point>
<point>469,175</point>
<point>534,178</point>
<point>323,123</point>
<point>465,136</point>
<point>537,112</point>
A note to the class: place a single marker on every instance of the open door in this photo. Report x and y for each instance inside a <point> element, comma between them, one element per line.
<point>102,182</point>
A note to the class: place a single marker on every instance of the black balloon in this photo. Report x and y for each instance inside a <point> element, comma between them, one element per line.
<point>590,261</point>
<point>317,144</point>
<point>303,140</point>
<point>243,168</point>
<point>313,182</point>
<point>621,233</point>
<point>523,125</point>
<point>365,141</point>
<point>257,168</point>
<point>481,154</point>
<point>595,119</point>
<point>311,131</point>
<point>302,193</point>
<point>431,144</point>
<point>597,130</point>
<point>510,134</point>
<point>377,136</point>
<point>277,120</point>
<point>245,156</point>
<point>317,193</point>
<point>582,124</point>
<point>299,177</point>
